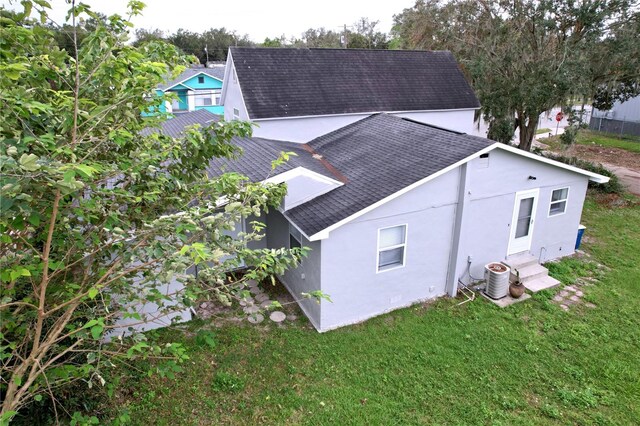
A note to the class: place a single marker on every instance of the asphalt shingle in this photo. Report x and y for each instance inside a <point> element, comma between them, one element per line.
<point>257,155</point>
<point>302,82</point>
<point>379,155</point>
<point>215,72</point>
<point>175,126</point>
<point>375,158</point>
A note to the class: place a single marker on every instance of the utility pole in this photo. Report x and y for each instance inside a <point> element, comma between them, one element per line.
<point>206,52</point>
<point>346,41</point>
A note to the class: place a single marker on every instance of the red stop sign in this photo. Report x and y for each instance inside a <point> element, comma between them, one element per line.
<point>559,116</point>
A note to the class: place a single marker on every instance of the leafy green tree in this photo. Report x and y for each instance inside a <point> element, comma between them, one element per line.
<point>143,36</point>
<point>97,215</point>
<point>274,42</point>
<point>365,36</point>
<point>211,45</point>
<point>523,57</point>
<point>321,37</point>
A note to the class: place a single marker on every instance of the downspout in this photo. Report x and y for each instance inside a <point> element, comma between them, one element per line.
<point>452,282</point>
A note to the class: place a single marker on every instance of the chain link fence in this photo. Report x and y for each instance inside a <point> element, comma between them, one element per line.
<point>617,127</point>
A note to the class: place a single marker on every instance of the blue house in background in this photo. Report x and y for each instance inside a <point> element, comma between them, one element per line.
<point>197,88</point>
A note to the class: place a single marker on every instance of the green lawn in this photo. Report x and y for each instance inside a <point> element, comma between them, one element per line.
<point>543,130</point>
<point>630,143</point>
<point>529,364</point>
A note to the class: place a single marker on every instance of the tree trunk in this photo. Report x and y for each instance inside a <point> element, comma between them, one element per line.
<point>526,129</point>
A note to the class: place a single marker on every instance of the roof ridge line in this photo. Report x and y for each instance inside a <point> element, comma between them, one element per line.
<point>335,172</point>
<point>456,132</point>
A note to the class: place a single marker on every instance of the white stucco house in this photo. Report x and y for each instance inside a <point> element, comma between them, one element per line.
<point>297,95</point>
<point>396,211</point>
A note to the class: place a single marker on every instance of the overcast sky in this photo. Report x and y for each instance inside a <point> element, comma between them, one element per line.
<point>257,18</point>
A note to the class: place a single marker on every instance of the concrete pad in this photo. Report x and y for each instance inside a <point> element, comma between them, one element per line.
<point>253,309</point>
<point>575,298</point>
<point>579,293</point>
<point>246,301</point>
<point>277,316</point>
<point>564,307</point>
<point>255,319</point>
<point>571,288</point>
<point>558,298</point>
<point>261,297</point>
<point>266,304</point>
<point>507,300</point>
<point>541,283</point>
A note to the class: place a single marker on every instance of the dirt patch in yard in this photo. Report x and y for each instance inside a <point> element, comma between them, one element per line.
<point>614,200</point>
<point>601,154</point>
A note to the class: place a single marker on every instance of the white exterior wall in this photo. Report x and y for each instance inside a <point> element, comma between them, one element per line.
<point>304,129</point>
<point>349,255</point>
<point>438,245</point>
<point>489,204</point>
<point>233,94</point>
<point>306,277</point>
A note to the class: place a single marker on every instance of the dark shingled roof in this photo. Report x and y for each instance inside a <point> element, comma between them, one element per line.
<point>174,127</point>
<point>257,155</point>
<point>378,156</point>
<point>279,82</point>
<point>215,72</point>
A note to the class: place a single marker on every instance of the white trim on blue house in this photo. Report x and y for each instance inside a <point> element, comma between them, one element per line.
<point>189,78</point>
<point>321,235</point>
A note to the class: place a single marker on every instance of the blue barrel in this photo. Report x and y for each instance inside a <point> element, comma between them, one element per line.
<point>581,229</point>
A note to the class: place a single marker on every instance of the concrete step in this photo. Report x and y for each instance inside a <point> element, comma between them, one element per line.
<point>532,272</point>
<point>519,261</point>
<point>541,283</point>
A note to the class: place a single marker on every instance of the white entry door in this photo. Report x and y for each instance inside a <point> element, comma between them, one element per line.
<point>522,222</point>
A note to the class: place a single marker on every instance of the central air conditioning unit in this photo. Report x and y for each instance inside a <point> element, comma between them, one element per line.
<point>496,276</point>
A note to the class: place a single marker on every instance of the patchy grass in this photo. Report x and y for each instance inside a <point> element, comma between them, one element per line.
<point>629,143</point>
<point>543,130</point>
<point>529,364</point>
<point>568,270</point>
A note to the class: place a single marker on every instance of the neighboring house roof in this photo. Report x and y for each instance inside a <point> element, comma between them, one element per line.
<point>278,83</point>
<point>175,126</point>
<point>215,72</point>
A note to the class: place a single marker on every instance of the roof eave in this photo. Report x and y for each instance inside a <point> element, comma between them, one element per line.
<point>595,177</point>
<point>366,113</point>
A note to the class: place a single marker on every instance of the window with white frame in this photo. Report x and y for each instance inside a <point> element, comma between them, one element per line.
<point>558,203</point>
<point>203,99</point>
<point>295,237</point>
<point>216,96</point>
<point>392,244</point>
<point>236,114</point>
